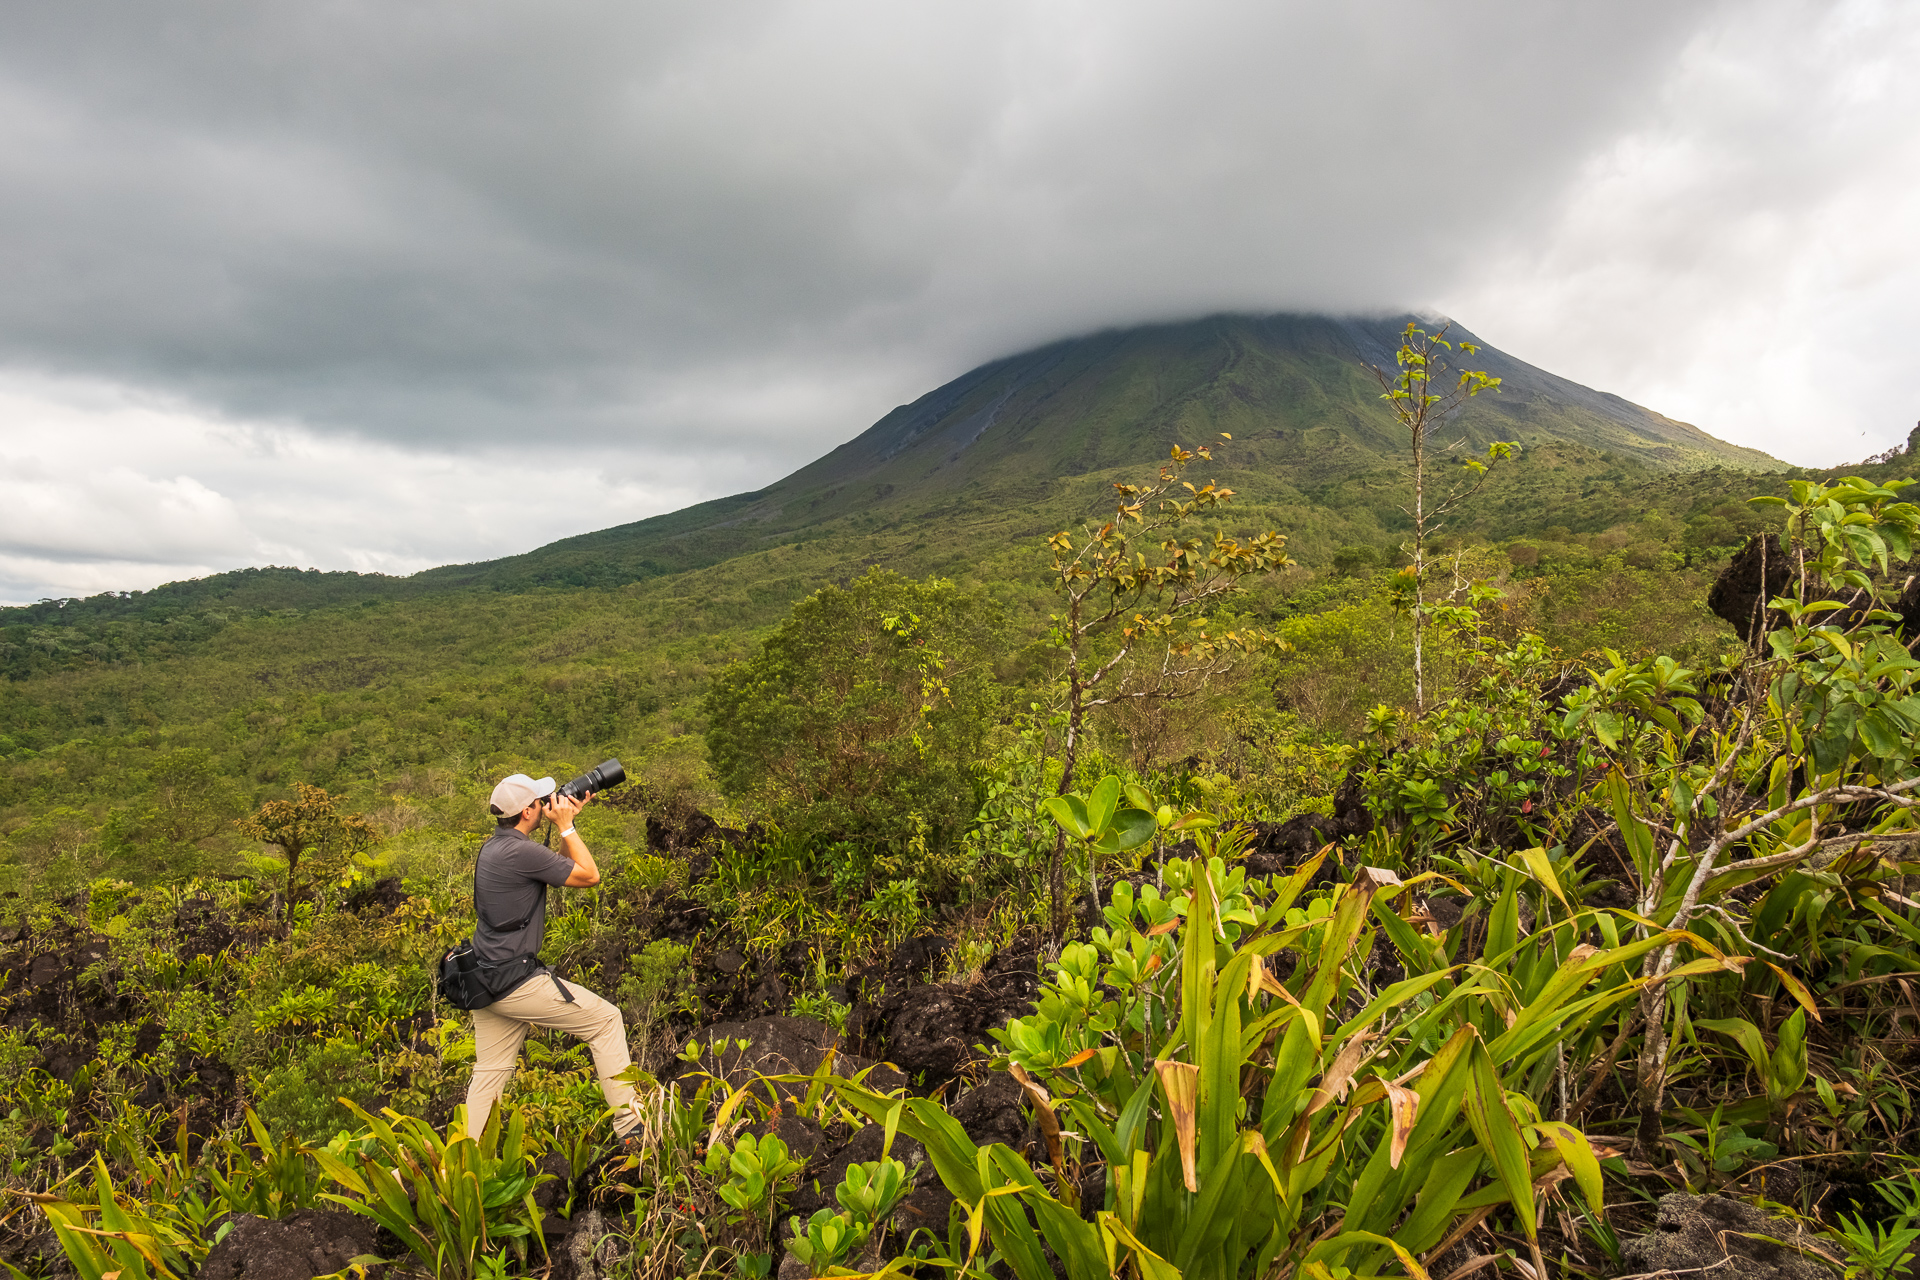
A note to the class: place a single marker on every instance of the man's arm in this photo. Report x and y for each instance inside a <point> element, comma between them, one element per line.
<point>586,872</point>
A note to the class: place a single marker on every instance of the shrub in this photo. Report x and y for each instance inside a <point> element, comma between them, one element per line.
<point>861,712</point>
<point>657,982</point>
<point>301,1098</point>
<point>1349,562</point>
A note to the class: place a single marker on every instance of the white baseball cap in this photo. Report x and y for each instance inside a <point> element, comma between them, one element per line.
<point>516,792</point>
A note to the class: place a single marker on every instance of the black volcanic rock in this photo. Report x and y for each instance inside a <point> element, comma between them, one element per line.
<point>300,1246</point>
<point>1759,573</point>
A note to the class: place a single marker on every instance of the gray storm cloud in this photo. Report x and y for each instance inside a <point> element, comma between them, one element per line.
<point>704,243</point>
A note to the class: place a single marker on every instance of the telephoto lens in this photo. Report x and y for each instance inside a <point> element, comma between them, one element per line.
<point>608,773</point>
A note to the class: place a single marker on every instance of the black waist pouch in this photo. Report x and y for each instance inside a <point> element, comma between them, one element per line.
<point>468,982</point>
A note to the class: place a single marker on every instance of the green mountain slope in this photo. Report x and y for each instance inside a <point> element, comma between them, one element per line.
<point>1293,391</point>
<point>967,479</point>
<point>1033,437</point>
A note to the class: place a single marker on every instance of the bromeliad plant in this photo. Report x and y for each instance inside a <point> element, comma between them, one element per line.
<point>753,1174</point>
<point>455,1202</point>
<point>117,1236</point>
<point>867,1194</point>
<point>1255,1099</point>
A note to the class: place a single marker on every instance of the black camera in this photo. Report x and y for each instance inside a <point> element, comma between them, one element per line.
<point>608,773</point>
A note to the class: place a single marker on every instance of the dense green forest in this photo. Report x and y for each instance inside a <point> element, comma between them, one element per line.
<point>938,955</point>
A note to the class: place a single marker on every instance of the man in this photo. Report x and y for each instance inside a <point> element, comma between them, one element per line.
<point>510,882</point>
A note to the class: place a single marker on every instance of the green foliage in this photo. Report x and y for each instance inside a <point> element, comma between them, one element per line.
<point>1718,1150</point>
<point>755,1172</point>
<point>453,1201</point>
<point>311,823</point>
<point>1097,820</point>
<point>861,711</point>
<point>825,1241</point>
<point>895,910</point>
<point>657,983</point>
<point>1142,618</point>
<point>1117,598</point>
<point>1435,1076</point>
<point>1488,763</point>
<point>867,1195</point>
<point>1351,561</point>
<point>1612,883</point>
<point>115,1235</point>
<point>1100,827</point>
<point>1879,1251</point>
<point>1421,401</point>
<point>312,1097</point>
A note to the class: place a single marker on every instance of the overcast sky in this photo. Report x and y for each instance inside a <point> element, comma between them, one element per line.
<point>352,284</point>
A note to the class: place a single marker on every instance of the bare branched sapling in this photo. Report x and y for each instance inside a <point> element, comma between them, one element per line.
<point>1418,393</point>
<point>1134,582</point>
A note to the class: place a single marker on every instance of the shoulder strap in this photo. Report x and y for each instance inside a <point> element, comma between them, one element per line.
<point>511,926</point>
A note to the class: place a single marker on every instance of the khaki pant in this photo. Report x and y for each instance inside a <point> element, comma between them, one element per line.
<point>501,1028</point>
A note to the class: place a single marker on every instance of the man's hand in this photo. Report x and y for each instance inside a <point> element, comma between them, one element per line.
<point>561,810</point>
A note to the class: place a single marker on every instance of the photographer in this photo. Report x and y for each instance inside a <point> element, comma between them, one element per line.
<point>510,900</point>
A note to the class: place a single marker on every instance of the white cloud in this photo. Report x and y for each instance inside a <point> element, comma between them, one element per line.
<point>105,489</point>
<point>1743,257</point>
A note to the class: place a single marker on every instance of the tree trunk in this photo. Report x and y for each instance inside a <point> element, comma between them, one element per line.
<point>1419,567</point>
<point>1056,869</point>
<point>1651,1078</point>
<point>293,865</point>
<point>1057,887</point>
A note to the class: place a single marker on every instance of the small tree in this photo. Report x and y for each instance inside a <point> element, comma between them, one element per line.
<point>1418,393</point>
<point>1133,582</point>
<point>192,799</point>
<point>309,824</point>
<point>862,714</point>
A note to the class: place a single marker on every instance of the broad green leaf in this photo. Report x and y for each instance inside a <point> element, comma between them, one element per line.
<point>1503,923</point>
<point>1636,833</point>
<point>1296,1058</point>
<point>1744,1034</point>
<point>1499,1136</point>
<point>1071,814</point>
<point>1339,1244</point>
<point>1152,1265</point>
<point>1880,736</point>
<point>1075,1241</point>
<point>1542,867</point>
<point>1787,1069</point>
<point>1129,829</point>
<point>1581,1162</point>
<point>1101,804</point>
<point>1447,1179</point>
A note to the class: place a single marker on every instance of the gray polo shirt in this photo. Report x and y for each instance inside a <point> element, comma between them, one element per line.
<point>510,882</point>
